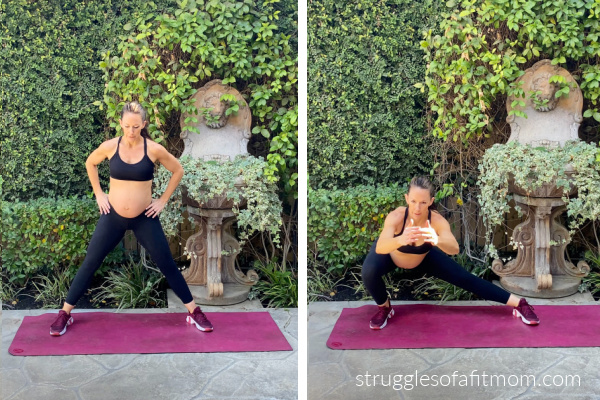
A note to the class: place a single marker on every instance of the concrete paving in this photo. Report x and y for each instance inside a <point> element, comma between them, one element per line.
<point>342,374</point>
<point>185,376</point>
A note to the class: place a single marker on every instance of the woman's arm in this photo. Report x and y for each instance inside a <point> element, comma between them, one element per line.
<point>387,243</point>
<point>91,165</point>
<point>440,235</point>
<point>173,165</point>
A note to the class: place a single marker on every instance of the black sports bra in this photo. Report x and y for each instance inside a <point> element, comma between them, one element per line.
<point>140,171</point>
<point>412,249</point>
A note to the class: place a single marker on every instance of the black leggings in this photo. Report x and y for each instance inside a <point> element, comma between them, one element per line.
<point>435,263</point>
<point>109,231</point>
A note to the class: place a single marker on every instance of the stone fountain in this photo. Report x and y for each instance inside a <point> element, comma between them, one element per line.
<point>212,276</point>
<point>540,269</point>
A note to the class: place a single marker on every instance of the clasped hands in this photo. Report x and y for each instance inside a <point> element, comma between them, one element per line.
<point>413,233</point>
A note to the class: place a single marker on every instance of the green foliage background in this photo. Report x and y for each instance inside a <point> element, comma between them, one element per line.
<point>39,236</point>
<point>366,119</point>
<point>164,59</point>
<point>475,59</point>
<point>487,45</point>
<point>49,80</point>
<point>49,77</point>
<point>343,223</point>
<point>51,85</point>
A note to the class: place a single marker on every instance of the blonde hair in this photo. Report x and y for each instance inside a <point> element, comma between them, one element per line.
<point>134,107</point>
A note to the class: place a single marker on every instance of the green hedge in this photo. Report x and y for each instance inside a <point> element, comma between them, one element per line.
<point>50,78</point>
<point>366,119</point>
<point>42,235</point>
<point>342,224</point>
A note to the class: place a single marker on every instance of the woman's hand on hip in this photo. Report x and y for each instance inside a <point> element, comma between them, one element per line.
<point>103,203</point>
<point>155,207</point>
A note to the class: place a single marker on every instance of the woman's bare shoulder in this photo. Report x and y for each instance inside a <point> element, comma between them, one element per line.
<point>437,218</point>
<point>396,212</point>
<point>109,145</point>
<point>400,209</point>
<point>155,149</point>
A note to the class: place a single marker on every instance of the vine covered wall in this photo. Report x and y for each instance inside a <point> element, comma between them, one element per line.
<point>49,77</point>
<point>366,118</point>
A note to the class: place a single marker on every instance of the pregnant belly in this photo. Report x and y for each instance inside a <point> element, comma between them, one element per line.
<point>406,261</point>
<point>129,198</point>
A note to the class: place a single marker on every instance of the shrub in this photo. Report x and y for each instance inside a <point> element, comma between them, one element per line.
<point>205,180</point>
<point>473,66</point>
<point>52,290</point>
<point>592,281</point>
<point>530,168</point>
<point>485,47</point>
<point>342,224</point>
<point>366,118</point>
<point>279,287</point>
<point>132,286</point>
<point>43,235</point>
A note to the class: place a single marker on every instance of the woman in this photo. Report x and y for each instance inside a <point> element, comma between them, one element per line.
<point>129,205</point>
<point>415,237</point>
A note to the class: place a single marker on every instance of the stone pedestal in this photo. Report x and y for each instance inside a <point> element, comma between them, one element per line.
<point>232,294</point>
<point>212,276</point>
<point>540,269</point>
<point>562,286</point>
<point>218,137</point>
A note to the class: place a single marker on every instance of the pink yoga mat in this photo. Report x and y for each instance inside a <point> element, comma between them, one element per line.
<point>113,333</point>
<point>416,326</point>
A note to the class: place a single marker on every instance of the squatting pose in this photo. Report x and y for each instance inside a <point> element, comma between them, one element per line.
<point>415,237</point>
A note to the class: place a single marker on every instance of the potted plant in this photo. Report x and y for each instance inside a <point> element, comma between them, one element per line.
<point>540,172</point>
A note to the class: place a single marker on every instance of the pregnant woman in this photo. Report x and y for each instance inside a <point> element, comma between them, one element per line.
<point>129,205</point>
<point>415,237</point>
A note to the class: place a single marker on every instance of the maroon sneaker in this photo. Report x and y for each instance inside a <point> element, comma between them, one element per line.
<point>525,312</point>
<point>379,320</point>
<point>199,319</point>
<point>59,327</point>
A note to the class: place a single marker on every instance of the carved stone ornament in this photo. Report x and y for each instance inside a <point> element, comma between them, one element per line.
<point>554,123</point>
<point>540,269</point>
<point>222,137</point>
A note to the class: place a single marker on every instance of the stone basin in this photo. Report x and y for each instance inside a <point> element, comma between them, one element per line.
<point>547,190</point>
<point>217,202</point>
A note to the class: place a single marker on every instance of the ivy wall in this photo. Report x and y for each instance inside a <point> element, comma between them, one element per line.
<point>366,118</point>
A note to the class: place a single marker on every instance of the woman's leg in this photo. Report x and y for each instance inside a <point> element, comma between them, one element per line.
<point>149,234</point>
<point>439,264</point>
<point>374,268</point>
<point>109,232</point>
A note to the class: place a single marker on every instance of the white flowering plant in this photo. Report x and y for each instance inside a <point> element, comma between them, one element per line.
<point>577,165</point>
<point>240,181</point>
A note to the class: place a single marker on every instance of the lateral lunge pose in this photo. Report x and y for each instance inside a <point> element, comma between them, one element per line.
<point>415,237</point>
<point>129,205</point>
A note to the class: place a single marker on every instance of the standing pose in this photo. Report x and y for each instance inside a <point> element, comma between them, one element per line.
<point>129,205</point>
<point>414,237</point>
